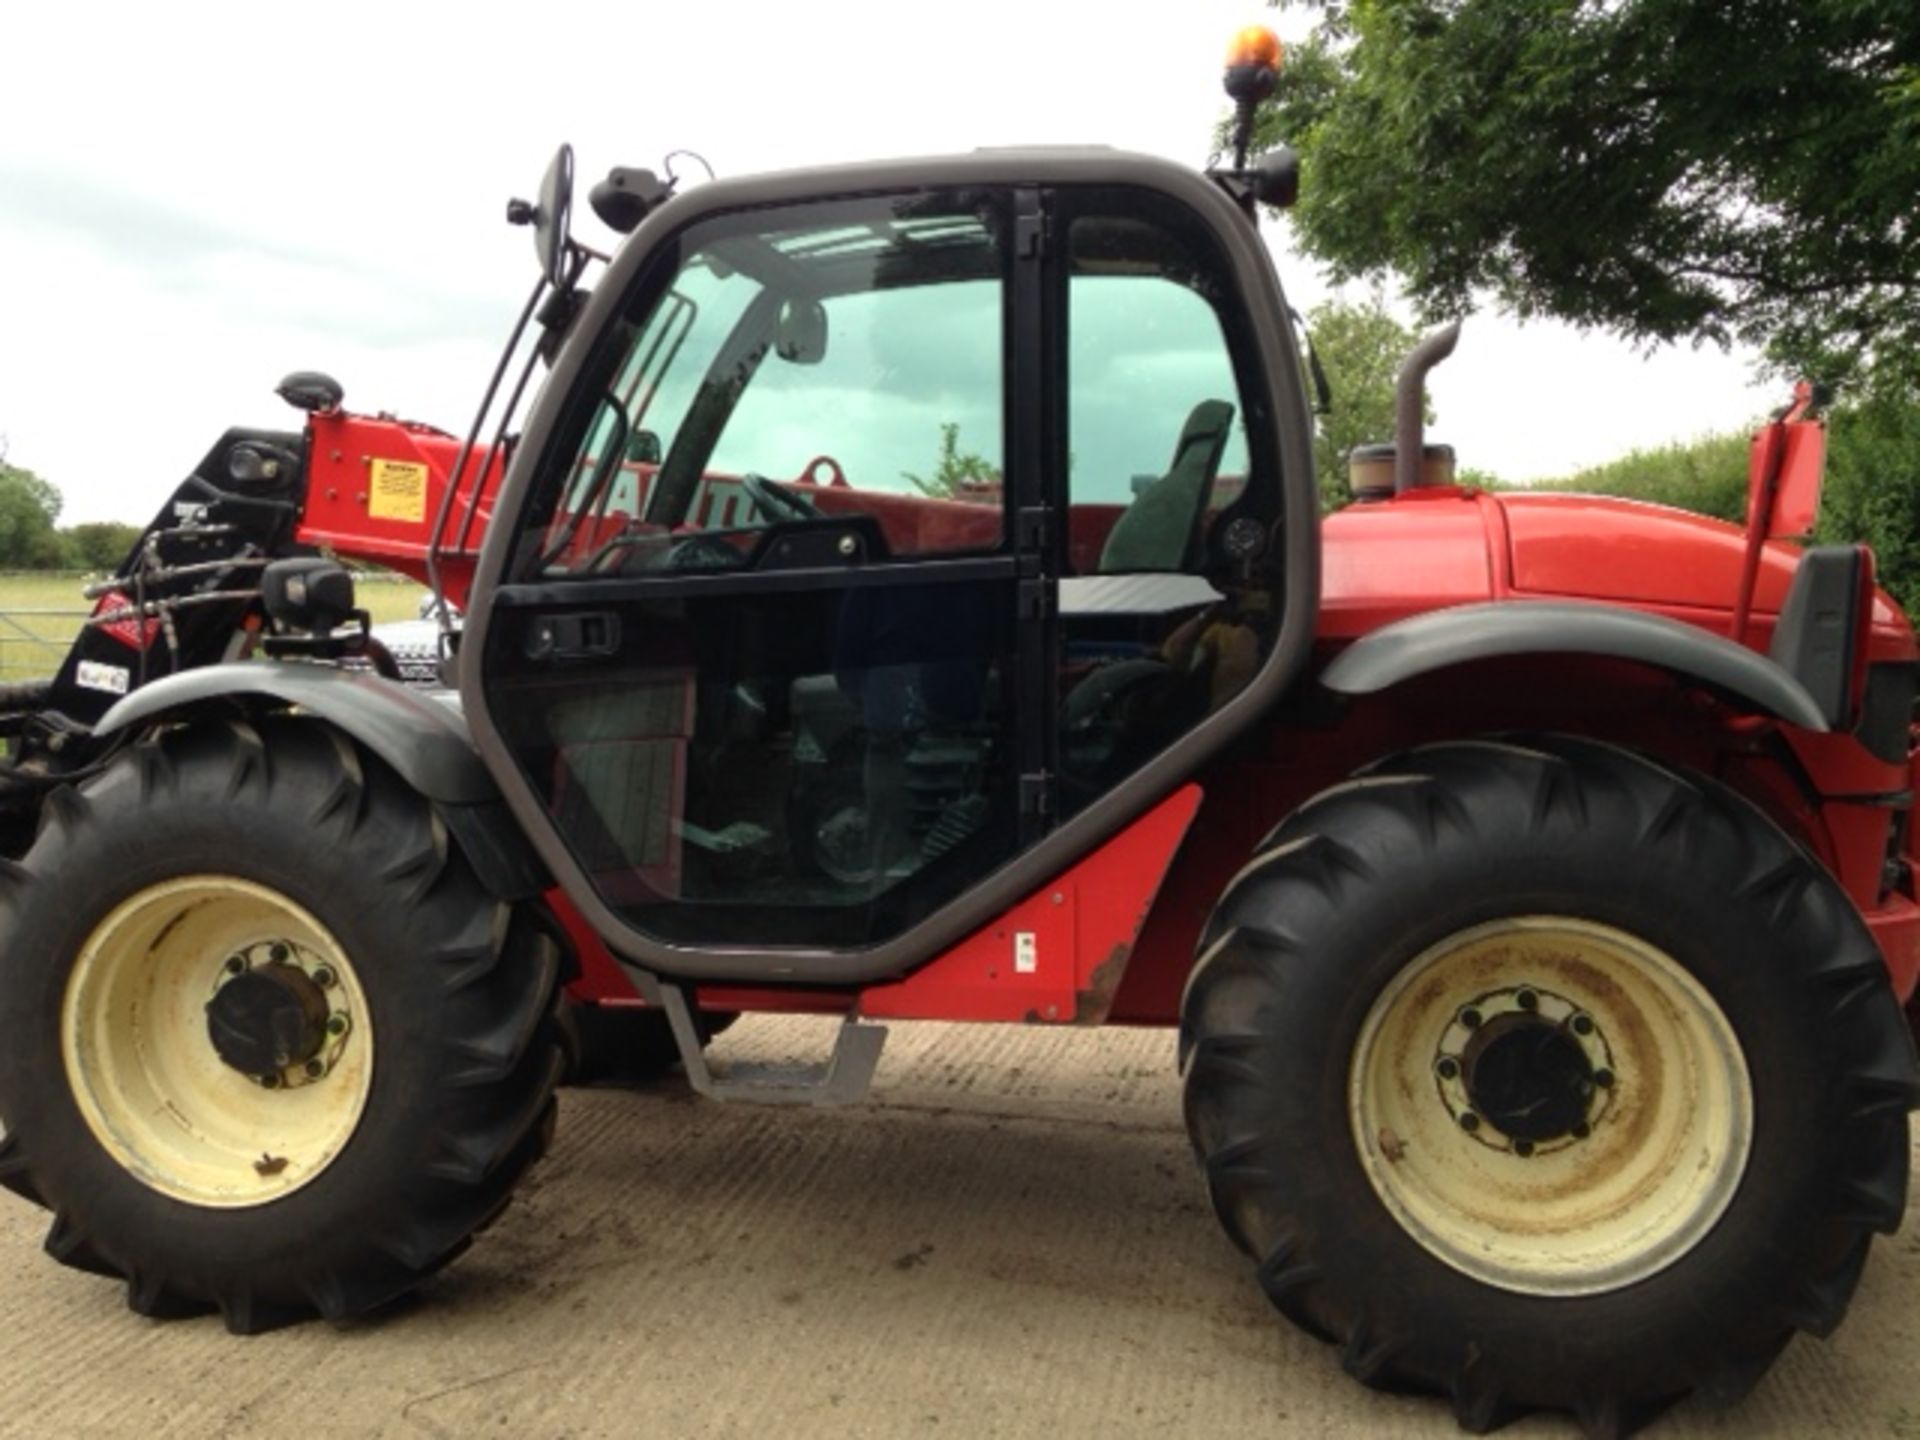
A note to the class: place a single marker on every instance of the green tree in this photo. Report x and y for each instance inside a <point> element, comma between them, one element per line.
<point>1663,168</point>
<point>99,544</point>
<point>1872,491</point>
<point>957,471</point>
<point>1360,345</point>
<point>1707,476</point>
<point>29,506</point>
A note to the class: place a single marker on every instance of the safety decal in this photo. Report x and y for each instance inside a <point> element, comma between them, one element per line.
<point>397,490</point>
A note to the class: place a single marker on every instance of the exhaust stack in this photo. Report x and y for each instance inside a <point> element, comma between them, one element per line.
<point>1409,422</point>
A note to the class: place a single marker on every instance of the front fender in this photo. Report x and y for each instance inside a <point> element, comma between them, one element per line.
<point>1443,638</point>
<point>425,740</point>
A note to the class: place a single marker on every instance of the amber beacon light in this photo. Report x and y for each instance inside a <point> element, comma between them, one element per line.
<point>1255,45</point>
<point>1253,70</point>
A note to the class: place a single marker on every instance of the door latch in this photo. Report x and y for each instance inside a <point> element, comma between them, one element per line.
<point>575,636</point>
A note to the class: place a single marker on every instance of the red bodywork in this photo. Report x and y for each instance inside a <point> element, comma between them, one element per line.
<point>1118,941</point>
<point>375,486</point>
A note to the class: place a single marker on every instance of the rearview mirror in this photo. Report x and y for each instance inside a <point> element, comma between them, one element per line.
<point>555,214</point>
<point>802,336</point>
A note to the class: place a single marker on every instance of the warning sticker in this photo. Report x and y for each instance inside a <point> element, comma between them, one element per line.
<point>397,490</point>
<point>110,678</point>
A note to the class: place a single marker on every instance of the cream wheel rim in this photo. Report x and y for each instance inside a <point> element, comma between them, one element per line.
<point>145,1071</point>
<point>1551,1106</point>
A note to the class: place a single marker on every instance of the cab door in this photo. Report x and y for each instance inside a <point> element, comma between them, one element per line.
<point>767,648</point>
<point>869,560</point>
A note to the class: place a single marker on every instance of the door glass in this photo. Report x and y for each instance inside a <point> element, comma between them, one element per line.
<point>788,722</point>
<point>1166,603</point>
<point>786,374</point>
<point>808,767</point>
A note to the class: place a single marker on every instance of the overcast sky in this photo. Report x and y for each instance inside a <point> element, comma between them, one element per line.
<point>197,199</point>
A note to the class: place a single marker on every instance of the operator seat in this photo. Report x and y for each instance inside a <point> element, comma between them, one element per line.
<point>1128,710</point>
<point>1161,529</point>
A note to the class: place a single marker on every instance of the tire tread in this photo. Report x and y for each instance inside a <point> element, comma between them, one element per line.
<point>1326,857</point>
<point>492,1103</point>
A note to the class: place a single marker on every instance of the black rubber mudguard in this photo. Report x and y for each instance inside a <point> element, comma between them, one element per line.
<point>1443,638</point>
<point>424,739</point>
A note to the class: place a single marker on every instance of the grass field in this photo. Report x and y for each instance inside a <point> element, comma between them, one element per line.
<point>41,611</point>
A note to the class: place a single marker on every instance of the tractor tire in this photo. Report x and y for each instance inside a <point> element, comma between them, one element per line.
<point>624,1044</point>
<point>1539,1076</point>
<point>271,1047</point>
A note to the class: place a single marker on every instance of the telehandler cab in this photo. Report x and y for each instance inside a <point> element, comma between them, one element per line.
<point>1530,877</point>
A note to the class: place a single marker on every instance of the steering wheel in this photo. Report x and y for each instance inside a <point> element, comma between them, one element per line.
<point>701,552</point>
<point>776,501</point>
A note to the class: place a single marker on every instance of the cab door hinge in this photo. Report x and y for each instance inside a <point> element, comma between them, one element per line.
<point>1031,234</point>
<point>1034,600</point>
<point>1036,793</point>
<point>1030,528</point>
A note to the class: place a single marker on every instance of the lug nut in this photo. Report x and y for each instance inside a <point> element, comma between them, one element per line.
<point>279,953</point>
<point>1603,1078</point>
<point>1523,1148</point>
<point>336,1025</point>
<point>315,1069</point>
<point>236,964</point>
<point>1470,1018</point>
<point>1582,1024</point>
<point>1527,1000</point>
<point>1581,1130</point>
<point>1469,1121</point>
<point>269,1082</point>
<point>1448,1067</point>
<point>323,977</point>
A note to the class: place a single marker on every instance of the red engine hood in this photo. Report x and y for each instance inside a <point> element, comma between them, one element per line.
<point>1384,561</point>
<point>1440,547</point>
<point>1601,548</point>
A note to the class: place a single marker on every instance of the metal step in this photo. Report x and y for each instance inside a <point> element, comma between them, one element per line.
<point>842,1079</point>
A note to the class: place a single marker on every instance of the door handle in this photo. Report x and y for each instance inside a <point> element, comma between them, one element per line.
<point>579,635</point>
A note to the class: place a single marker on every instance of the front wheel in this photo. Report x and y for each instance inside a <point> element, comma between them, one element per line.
<point>271,1048</point>
<point>1541,1077</point>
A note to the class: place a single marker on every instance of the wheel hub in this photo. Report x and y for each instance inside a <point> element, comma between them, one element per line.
<point>1524,1070</point>
<point>278,1014</point>
<point>267,1019</point>
<point>1529,1080</point>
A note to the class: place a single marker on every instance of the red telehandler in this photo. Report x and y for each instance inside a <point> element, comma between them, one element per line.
<point>1530,877</point>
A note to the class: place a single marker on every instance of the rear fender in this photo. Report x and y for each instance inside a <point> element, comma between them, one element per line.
<point>1456,636</point>
<point>422,739</point>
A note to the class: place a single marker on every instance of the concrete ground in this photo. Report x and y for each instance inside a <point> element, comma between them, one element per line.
<point>1009,1239</point>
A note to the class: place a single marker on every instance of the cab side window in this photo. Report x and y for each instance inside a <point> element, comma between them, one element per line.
<point>1165,606</point>
<point>1158,433</point>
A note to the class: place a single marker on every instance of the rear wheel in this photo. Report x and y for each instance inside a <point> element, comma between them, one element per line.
<point>1542,1077</point>
<point>626,1044</point>
<point>272,1048</point>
